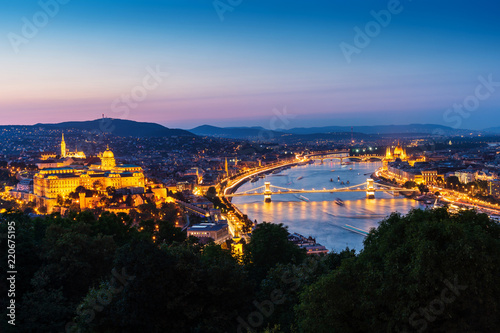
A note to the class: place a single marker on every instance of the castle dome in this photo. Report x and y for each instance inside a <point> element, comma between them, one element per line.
<point>108,154</point>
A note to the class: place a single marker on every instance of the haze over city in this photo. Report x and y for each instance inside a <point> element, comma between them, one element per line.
<point>232,65</point>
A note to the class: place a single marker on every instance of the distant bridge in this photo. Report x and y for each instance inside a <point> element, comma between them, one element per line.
<point>342,155</point>
<point>367,157</point>
<point>268,190</point>
<point>332,154</point>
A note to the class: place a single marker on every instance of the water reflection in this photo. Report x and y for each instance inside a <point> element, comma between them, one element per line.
<point>321,217</point>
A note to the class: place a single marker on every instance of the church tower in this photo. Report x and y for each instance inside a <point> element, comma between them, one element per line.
<point>388,153</point>
<point>63,147</point>
<point>227,169</point>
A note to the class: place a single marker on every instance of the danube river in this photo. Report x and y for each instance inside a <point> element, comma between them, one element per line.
<point>321,217</point>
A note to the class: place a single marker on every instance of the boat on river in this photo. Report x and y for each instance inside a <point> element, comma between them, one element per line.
<point>356,230</point>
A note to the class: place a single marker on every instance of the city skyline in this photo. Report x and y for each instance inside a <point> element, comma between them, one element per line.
<point>250,165</point>
<point>232,65</point>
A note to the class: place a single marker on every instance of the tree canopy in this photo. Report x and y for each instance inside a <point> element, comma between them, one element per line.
<point>428,270</point>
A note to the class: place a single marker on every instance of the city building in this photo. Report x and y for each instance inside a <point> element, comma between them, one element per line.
<point>404,172</point>
<point>206,231</point>
<point>494,188</point>
<point>48,155</point>
<point>431,177</point>
<point>314,249</point>
<point>466,176</point>
<point>50,183</point>
<point>398,153</point>
<point>67,153</point>
<point>25,185</point>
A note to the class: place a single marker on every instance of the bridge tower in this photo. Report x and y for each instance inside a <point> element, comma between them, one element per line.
<point>267,192</point>
<point>370,189</point>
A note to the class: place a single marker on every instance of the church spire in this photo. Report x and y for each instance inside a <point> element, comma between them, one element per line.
<point>63,147</point>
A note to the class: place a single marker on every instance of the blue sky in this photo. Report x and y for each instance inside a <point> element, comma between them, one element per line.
<point>263,56</point>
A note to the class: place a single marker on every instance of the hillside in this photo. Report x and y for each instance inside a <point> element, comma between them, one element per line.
<point>384,129</point>
<point>235,132</point>
<point>118,127</point>
<point>320,132</point>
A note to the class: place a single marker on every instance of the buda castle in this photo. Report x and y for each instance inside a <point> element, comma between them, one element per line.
<point>50,183</point>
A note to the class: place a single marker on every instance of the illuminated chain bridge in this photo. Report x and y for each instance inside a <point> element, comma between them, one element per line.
<point>268,190</point>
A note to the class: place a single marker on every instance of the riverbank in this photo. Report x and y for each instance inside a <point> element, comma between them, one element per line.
<point>241,180</point>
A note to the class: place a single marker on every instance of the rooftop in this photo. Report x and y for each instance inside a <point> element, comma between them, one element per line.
<point>208,227</point>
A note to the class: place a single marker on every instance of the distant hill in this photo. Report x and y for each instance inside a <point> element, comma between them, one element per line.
<point>235,132</point>
<point>260,133</point>
<point>383,129</point>
<point>255,132</point>
<point>118,127</point>
<point>493,130</point>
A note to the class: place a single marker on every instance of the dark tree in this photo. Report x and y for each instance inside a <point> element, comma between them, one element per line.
<point>428,270</point>
<point>211,192</point>
<point>410,184</point>
<point>268,247</point>
<point>178,290</point>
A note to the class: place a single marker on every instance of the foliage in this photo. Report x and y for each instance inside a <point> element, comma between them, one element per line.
<point>427,270</point>
<point>211,192</point>
<point>109,274</point>
<point>423,188</point>
<point>410,184</point>
<point>269,246</point>
<point>178,290</point>
<point>290,280</point>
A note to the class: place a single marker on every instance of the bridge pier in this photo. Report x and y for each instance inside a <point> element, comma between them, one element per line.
<point>370,189</point>
<point>267,192</point>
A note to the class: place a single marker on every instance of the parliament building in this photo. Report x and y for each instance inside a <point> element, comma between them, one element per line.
<point>50,183</point>
<point>398,153</point>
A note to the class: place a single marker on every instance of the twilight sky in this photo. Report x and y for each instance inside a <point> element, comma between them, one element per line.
<point>251,62</point>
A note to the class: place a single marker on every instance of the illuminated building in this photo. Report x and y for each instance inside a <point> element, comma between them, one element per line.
<point>47,156</point>
<point>399,152</point>
<point>430,176</point>
<point>207,231</point>
<point>107,160</point>
<point>403,172</point>
<point>66,153</point>
<point>466,176</point>
<point>494,188</point>
<point>50,183</point>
